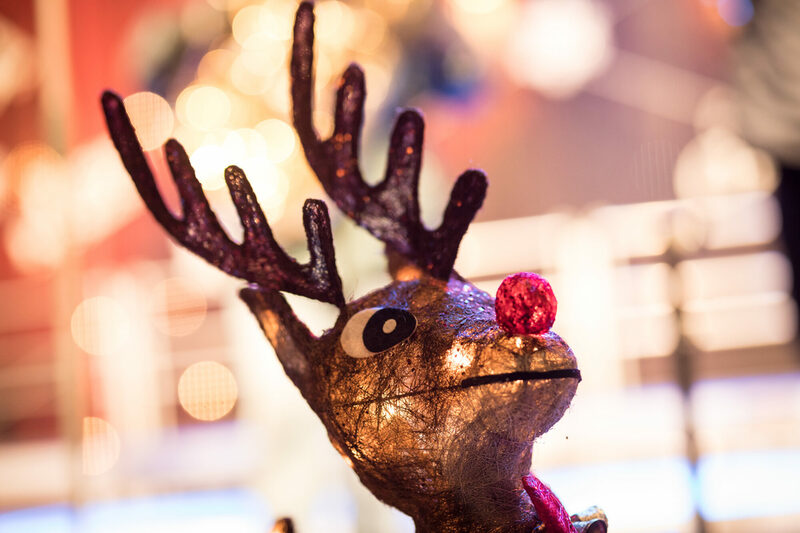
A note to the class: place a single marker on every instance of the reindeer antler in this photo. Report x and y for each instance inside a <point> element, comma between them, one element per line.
<point>390,209</point>
<point>258,259</point>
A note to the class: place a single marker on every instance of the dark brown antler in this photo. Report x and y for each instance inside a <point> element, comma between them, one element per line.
<point>390,209</point>
<point>259,259</point>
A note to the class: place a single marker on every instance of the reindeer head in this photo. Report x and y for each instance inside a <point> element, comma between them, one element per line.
<point>433,404</point>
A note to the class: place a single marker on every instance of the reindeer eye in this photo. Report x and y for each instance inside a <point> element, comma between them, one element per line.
<point>375,330</point>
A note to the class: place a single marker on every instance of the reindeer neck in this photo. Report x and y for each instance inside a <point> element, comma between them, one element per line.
<point>485,491</point>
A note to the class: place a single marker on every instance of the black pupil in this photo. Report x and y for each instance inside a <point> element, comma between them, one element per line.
<point>387,327</point>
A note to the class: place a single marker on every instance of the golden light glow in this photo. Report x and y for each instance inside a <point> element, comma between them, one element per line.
<point>98,181</point>
<point>246,81</point>
<point>99,325</point>
<point>479,6</point>
<point>459,358</point>
<point>179,308</point>
<point>101,446</point>
<point>207,390</point>
<point>269,184</point>
<point>215,64</point>
<point>334,23</point>
<point>36,175</point>
<point>392,9</point>
<point>152,118</point>
<point>559,45</point>
<point>389,409</point>
<point>207,107</point>
<point>209,162</point>
<point>25,157</point>
<point>263,55</point>
<point>279,137</point>
<point>370,33</point>
<point>380,79</point>
<point>33,244</point>
<point>248,22</point>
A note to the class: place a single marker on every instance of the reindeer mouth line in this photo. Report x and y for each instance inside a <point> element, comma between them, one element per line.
<point>528,375</point>
<point>477,381</point>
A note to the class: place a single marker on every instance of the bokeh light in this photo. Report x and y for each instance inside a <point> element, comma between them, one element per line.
<point>207,107</point>
<point>479,6</point>
<point>152,118</point>
<point>179,308</point>
<point>33,244</point>
<point>279,137</point>
<point>100,325</point>
<point>215,64</point>
<point>207,390</point>
<point>269,184</point>
<point>98,179</point>
<point>209,162</point>
<point>26,158</point>
<point>717,162</point>
<point>559,45</point>
<point>335,23</point>
<point>36,176</point>
<point>101,446</point>
<point>248,22</point>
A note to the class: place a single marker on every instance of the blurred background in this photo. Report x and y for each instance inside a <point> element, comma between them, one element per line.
<point>642,154</point>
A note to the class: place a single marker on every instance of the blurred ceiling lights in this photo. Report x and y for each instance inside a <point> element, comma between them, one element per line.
<point>559,45</point>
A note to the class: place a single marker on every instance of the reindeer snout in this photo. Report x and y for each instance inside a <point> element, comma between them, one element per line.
<point>525,304</point>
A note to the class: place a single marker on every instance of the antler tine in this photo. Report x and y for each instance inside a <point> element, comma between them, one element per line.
<point>259,259</point>
<point>466,199</point>
<point>127,144</point>
<point>390,209</point>
<point>334,161</point>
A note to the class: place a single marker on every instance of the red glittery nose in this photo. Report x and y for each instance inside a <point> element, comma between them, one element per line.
<point>525,304</point>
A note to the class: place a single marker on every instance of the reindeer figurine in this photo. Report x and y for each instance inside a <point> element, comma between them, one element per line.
<point>431,390</point>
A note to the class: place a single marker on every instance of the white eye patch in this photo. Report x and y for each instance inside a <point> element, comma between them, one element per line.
<point>375,330</point>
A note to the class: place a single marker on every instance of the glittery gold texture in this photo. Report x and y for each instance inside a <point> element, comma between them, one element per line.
<point>417,429</point>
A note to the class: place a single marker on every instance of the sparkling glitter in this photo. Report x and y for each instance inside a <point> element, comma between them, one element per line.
<point>525,304</point>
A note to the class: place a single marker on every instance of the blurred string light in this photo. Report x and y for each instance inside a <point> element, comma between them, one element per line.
<point>207,390</point>
<point>483,25</point>
<point>206,107</point>
<point>479,6</point>
<point>280,140</point>
<point>179,308</point>
<point>100,325</point>
<point>100,446</point>
<point>235,111</point>
<point>559,45</point>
